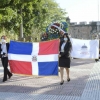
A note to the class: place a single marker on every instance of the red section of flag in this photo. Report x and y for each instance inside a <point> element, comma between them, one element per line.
<point>49,47</point>
<point>20,67</point>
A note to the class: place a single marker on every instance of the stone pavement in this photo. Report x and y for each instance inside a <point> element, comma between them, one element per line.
<point>84,84</point>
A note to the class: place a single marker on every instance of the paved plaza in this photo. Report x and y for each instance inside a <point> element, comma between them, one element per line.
<point>84,84</point>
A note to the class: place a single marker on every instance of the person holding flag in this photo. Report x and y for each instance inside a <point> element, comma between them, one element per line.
<point>4,47</point>
<point>64,56</point>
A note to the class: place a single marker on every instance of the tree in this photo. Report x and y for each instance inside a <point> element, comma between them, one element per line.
<point>32,13</point>
<point>11,15</point>
<point>49,12</point>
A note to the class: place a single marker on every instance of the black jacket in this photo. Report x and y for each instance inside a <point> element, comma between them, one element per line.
<point>7,46</point>
<point>67,49</point>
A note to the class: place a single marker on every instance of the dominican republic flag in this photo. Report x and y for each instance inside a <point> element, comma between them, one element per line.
<point>34,58</point>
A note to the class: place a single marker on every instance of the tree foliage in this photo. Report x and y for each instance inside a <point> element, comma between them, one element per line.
<point>33,13</point>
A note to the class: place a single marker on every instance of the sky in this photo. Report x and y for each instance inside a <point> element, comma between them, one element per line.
<point>81,10</point>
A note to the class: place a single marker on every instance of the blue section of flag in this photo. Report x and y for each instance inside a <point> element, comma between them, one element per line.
<point>48,68</point>
<point>23,48</point>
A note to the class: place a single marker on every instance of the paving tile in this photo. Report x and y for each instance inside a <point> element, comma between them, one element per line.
<point>84,78</point>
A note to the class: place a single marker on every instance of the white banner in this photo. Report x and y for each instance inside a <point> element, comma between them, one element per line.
<point>85,48</point>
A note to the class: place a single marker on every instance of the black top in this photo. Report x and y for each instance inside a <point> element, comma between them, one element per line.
<point>67,49</point>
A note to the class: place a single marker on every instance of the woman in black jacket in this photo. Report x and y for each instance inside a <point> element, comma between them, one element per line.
<point>64,56</point>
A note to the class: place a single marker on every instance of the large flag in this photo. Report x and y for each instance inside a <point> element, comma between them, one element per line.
<point>34,58</point>
<point>86,49</point>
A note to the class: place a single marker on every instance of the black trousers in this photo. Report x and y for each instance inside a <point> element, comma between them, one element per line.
<point>4,61</point>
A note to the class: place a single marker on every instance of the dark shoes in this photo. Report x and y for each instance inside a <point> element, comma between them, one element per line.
<point>96,60</point>
<point>68,80</point>
<point>61,83</point>
<point>4,80</point>
<point>10,76</point>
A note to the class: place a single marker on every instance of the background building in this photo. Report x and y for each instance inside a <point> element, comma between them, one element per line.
<point>84,30</point>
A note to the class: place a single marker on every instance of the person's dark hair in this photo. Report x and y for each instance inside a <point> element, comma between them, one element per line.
<point>66,34</point>
<point>3,36</point>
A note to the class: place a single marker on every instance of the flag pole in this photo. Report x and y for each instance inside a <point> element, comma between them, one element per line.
<point>98,10</point>
<point>98,23</point>
<point>98,26</point>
